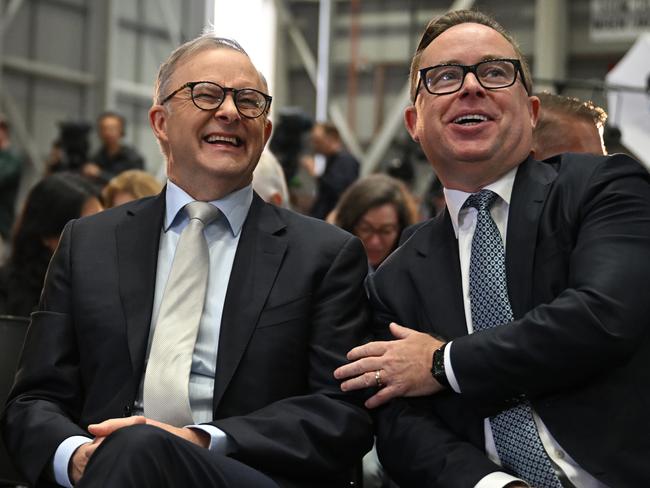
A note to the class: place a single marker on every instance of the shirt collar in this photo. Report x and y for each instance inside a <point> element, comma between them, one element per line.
<point>233,206</point>
<point>456,198</point>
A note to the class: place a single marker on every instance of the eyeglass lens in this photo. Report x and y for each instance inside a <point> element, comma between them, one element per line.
<point>490,74</point>
<point>208,96</point>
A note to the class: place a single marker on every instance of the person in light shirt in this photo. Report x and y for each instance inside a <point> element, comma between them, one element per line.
<point>280,303</point>
<point>512,329</point>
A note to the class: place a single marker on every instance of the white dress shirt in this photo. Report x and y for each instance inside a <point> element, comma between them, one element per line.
<point>464,223</point>
<point>222,236</point>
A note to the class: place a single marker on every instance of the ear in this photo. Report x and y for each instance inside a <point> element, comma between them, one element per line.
<point>533,110</point>
<point>268,128</point>
<point>411,121</point>
<point>158,121</point>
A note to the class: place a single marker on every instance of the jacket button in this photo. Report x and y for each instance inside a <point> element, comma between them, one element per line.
<point>127,410</point>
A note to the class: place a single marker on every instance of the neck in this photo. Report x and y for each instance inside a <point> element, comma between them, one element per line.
<point>112,147</point>
<point>203,192</point>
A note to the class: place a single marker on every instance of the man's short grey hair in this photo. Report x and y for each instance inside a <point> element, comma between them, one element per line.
<point>206,41</point>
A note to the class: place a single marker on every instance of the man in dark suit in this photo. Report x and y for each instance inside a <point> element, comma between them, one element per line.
<point>523,366</point>
<point>283,303</point>
<point>341,168</point>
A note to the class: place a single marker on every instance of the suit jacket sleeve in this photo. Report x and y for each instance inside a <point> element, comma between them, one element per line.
<point>415,445</point>
<point>324,430</point>
<point>593,252</point>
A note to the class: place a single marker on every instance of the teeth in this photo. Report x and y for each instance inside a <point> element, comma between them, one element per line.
<point>214,138</point>
<point>463,119</point>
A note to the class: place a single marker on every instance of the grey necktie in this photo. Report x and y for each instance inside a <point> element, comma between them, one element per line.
<point>515,433</point>
<point>166,380</point>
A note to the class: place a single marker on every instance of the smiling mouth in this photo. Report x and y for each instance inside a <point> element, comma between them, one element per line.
<point>470,119</point>
<point>229,140</point>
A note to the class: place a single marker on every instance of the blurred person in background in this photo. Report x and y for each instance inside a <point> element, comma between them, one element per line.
<point>269,181</point>
<point>341,168</point>
<point>376,209</point>
<point>128,186</point>
<point>49,206</point>
<point>10,170</point>
<point>568,124</point>
<point>113,157</point>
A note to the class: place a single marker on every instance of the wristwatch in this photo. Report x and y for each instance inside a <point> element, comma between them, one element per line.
<point>438,367</point>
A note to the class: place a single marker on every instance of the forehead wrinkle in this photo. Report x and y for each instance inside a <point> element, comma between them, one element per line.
<point>243,79</point>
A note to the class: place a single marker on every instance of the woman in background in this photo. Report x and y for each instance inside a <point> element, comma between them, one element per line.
<point>376,209</point>
<point>128,186</point>
<point>54,201</point>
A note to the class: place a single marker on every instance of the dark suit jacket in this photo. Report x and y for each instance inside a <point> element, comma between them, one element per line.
<point>295,305</point>
<point>578,264</point>
<point>341,170</point>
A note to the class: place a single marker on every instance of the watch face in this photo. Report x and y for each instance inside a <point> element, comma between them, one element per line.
<point>438,366</point>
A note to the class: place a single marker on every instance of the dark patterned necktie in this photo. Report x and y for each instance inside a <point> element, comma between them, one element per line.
<point>515,433</point>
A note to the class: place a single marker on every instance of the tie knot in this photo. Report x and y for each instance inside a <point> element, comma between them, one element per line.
<point>482,200</point>
<point>203,211</point>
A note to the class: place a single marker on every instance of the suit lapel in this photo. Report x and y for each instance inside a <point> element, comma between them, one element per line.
<point>437,277</point>
<point>529,193</point>
<point>138,239</point>
<point>258,258</point>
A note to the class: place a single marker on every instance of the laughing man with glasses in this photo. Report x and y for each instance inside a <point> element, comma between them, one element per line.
<point>137,374</point>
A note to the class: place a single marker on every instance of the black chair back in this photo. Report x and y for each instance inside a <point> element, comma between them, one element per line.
<point>12,336</point>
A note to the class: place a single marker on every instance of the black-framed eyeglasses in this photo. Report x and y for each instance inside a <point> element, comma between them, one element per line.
<point>492,74</point>
<point>207,95</point>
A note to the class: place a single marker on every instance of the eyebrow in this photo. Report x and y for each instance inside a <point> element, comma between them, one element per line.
<point>487,57</point>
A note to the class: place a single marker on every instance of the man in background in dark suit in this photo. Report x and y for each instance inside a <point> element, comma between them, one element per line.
<point>113,157</point>
<point>341,168</point>
<point>521,358</point>
<point>281,304</point>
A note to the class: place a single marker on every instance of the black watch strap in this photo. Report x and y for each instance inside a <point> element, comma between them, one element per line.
<point>438,367</point>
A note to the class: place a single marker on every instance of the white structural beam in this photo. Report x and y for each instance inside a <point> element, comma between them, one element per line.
<point>309,64</point>
<point>551,27</point>
<point>322,74</point>
<point>9,13</point>
<point>389,128</point>
<point>108,95</point>
<point>47,70</point>
<point>300,43</point>
<point>133,89</point>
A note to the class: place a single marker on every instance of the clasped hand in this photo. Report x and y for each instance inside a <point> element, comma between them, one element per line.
<point>82,455</point>
<point>401,368</point>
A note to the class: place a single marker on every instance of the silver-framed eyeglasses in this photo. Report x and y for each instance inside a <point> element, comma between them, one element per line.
<point>207,95</point>
<point>492,74</point>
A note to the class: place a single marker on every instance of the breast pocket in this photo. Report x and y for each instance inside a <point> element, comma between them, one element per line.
<point>274,315</point>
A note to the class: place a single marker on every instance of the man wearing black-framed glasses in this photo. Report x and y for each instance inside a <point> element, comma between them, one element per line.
<point>189,339</point>
<point>512,328</point>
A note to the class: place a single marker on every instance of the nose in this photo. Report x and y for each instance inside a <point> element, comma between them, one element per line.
<point>227,110</point>
<point>472,85</point>
<point>374,241</point>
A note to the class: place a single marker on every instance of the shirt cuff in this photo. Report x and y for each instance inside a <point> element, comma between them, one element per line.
<point>449,371</point>
<point>497,479</point>
<point>62,456</point>
<point>219,441</point>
